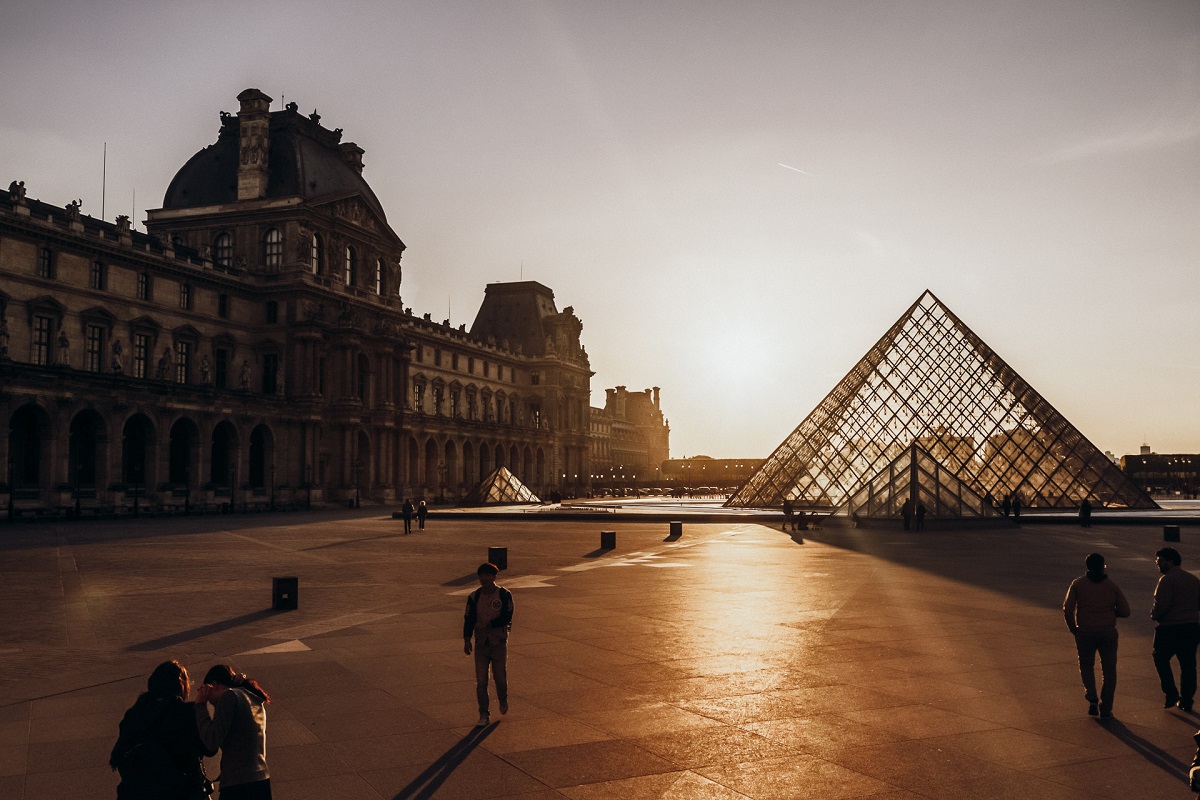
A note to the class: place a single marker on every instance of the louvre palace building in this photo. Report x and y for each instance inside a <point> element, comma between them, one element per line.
<point>252,347</point>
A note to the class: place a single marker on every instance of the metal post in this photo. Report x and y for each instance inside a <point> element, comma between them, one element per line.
<point>308,486</point>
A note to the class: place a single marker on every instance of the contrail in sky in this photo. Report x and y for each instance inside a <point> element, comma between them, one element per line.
<point>793,169</point>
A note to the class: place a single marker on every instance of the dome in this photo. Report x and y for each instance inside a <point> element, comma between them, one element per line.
<point>303,160</point>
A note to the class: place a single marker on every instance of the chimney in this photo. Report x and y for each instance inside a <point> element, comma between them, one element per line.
<point>656,397</point>
<point>254,124</point>
<point>352,154</point>
<point>1145,450</point>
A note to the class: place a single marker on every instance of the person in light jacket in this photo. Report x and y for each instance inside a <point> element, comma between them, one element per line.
<point>238,726</point>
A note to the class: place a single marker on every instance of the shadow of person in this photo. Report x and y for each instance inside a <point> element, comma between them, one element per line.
<point>1151,753</point>
<point>425,785</point>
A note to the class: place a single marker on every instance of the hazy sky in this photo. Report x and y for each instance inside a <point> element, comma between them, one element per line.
<point>738,199</point>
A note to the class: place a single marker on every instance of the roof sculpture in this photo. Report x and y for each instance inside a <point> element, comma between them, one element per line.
<point>932,382</point>
<point>500,487</point>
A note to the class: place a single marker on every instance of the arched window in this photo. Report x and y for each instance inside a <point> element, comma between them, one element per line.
<point>273,249</point>
<point>351,266</point>
<point>379,276</point>
<point>318,254</point>
<point>222,249</point>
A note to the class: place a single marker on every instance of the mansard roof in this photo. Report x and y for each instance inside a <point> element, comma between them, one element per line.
<point>304,159</point>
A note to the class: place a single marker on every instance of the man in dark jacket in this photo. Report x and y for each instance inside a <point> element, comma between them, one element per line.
<point>1177,612</point>
<point>1092,606</point>
<point>487,618</point>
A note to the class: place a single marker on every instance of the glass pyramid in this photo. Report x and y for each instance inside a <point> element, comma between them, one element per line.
<point>918,477</point>
<point>500,487</point>
<point>932,382</point>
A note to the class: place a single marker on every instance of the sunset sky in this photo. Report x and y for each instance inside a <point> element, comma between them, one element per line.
<point>737,199</point>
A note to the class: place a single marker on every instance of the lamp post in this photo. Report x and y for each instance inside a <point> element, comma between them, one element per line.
<point>11,507</point>
<point>441,470</point>
<point>308,487</point>
<point>357,474</point>
<point>272,485</point>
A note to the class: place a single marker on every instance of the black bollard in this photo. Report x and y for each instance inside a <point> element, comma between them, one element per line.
<point>498,556</point>
<point>285,594</point>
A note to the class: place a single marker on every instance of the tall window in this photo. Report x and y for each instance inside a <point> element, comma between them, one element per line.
<point>318,254</point>
<point>220,367</point>
<point>98,276</point>
<point>45,263</point>
<point>272,312</point>
<point>143,286</point>
<point>183,361</point>
<point>454,361</point>
<point>223,306</point>
<point>273,249</point>
<point>141,354</point>
<point>270,373</point>
<point>93,357</point>
<point>351,267</point>
<point>222,250</point>
<point>379,276</point>
<point>185,296</point>
<point>42,326</point>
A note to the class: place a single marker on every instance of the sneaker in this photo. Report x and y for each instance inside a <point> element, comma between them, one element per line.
<point>1106,714</point>
<point>484,721</point>
<point>1092,710</point>
<point>1185,705</point>
<point>1170,701</point>
<point>503,706</point>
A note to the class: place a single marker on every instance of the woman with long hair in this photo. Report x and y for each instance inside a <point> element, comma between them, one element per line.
<point>158,750</point>
<point>238,726</point>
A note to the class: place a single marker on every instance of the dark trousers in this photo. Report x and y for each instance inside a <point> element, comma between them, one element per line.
<point>1088,643</point>
<point>1178,641</point>
<point>259,790</point>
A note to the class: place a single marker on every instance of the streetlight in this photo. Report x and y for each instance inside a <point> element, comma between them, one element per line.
<point>357,472</point>
<point>308,487</point>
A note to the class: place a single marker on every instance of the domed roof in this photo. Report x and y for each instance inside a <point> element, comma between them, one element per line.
<point>303,160</point>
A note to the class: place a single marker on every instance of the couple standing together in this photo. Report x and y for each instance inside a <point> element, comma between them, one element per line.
<point>163,737</point>
<point>1092,606</point>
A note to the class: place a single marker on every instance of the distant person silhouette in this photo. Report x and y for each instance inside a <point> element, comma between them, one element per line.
<point>1085,514</point>
<point>1092,606</point>
<point>1016,509</point>
<point>920,516</point>
<point>406,511</point>
<point>1177,612</point>
<point>422,512</point>
<point>1006,506</point>
<point>906,512</point>
<point>787,513</point>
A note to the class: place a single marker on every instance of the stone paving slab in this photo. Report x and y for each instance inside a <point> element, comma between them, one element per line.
<point>736,661</point>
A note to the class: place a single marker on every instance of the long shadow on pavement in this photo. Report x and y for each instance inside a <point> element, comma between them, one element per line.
<point>1155,755</point>
<point>203,630</point>
<point>428,782</point>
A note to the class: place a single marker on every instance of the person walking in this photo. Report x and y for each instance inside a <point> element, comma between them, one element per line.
<point>920,515</point>
<point>158,751</point>
<point>238,727</point>
<point>906,511</point>
<point>487,619</point>
<point>1016,509</point>
<point>787,513</point>
<point>1177,612</point>
<point>422,512</point>
<point>1085,513</point>
<point>1092,606</point>
<point>406,511</point>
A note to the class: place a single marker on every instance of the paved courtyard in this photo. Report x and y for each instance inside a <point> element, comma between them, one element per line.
<point>731,662</point>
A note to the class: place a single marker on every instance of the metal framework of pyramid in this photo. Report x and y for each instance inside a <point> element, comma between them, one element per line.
<point>917,477</point>
<point>932,382</point>
<point>500,487</point>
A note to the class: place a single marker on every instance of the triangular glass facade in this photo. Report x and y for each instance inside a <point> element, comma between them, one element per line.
<point>500,487</point>
<point>931,381</point>
<point>916,476</point>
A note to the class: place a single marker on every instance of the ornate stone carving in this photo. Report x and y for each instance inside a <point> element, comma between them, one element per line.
<point>16,192</point>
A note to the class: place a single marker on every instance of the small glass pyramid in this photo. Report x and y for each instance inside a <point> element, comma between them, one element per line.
<point>932,382</point>
<point>500,487</point>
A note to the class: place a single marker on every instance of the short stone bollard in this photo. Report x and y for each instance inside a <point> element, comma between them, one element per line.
<point>608,540</point>
<point>285,594</point>
<point>498,556</point>
<point>677,528</point>
<point>1170,533</point>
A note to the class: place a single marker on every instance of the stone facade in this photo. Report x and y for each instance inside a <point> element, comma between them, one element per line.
<point>637,440</point>
<point>253,347</point>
